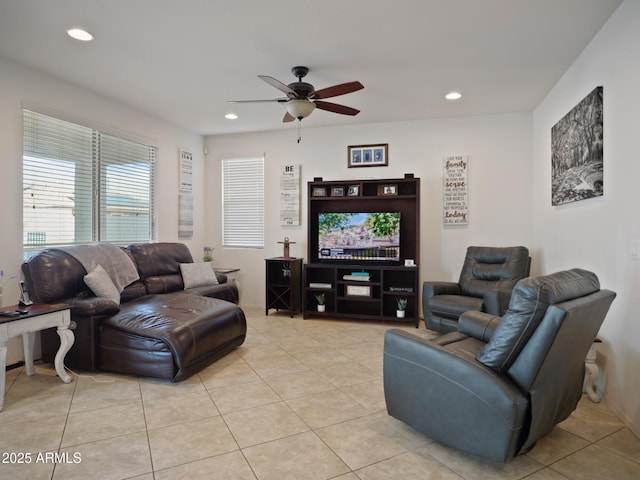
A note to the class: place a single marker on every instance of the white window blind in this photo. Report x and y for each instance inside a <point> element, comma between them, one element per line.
<point>81,185</point>
<point>243,202</point>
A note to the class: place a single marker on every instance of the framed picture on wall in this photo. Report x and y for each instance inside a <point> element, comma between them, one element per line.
<point>368,155</point>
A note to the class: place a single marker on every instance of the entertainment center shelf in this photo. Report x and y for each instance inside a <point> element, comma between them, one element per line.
<point>372,299</point>
<point>370,230</point>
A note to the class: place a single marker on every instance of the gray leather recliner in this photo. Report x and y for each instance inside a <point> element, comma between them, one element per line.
<point>497,385</point>
<point>487,278</point>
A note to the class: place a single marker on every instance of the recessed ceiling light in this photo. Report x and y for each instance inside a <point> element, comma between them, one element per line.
<point>453,96</point>
<point>80,34</point>
<point>231,116</point>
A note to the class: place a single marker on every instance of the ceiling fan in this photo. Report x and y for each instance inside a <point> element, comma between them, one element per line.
<point>302,97</point>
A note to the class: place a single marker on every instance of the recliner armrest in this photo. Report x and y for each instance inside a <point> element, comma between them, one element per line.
<point>479,325</point>
<point>430,289</point>
<point>496,302</point>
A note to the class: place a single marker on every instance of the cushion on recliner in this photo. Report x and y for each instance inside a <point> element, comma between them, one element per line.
<point>452,306</point>
<point>529,302</point>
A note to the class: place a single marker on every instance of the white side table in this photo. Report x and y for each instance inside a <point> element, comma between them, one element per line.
<point>39,317</point>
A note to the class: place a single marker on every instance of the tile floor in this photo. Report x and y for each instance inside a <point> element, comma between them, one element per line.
<point>301,399</point>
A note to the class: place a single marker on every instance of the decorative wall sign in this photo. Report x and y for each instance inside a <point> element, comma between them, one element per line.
<point>290,195</point>
<point>455,190</point>
<point>577,152</point>
<point>186,171</point>
<point>185,216</point>
<point>368,155</point>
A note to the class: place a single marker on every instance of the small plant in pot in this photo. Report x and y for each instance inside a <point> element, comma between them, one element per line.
<point>402,305</point>
<point>320,300</point>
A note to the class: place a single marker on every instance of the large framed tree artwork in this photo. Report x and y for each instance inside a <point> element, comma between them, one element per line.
<point>577,152</point>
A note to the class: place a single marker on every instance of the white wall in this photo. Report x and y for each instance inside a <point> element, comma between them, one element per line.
<point>24,86</point>
<point>499,150</point>
<point>600,234</point>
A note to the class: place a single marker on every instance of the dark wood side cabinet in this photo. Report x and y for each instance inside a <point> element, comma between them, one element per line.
<point>283,284</point>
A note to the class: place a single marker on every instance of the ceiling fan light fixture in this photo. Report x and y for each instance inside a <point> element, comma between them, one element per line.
<point>300,108</point>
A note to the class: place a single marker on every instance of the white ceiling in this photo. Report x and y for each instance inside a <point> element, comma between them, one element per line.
<point>182,60</point>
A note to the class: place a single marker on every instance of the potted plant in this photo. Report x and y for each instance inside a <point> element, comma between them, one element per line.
<point>402,305</point>
<point>208,254</point>
<point>320,300</point>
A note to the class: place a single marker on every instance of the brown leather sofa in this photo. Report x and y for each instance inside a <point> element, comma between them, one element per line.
<point>159,329</point>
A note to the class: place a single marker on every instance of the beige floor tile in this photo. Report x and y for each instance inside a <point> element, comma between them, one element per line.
<point>473,468</point>
<point>347,374</point>
<point>228,466</point>
<point>29,471</point>
<point>263,424</point>
<point>277,365</point>
<point>597,463</point>
<point>546,474</point>
<point>260,351</point>
<point>623,442</point>
<point>370,395</point>
<point>193,405</point>
<point>254,394</point>
<point>156,388</point>
<point>32,435</point>
<point>100,390</point>
<point>300,457</point>
<point>90,426</point>
<point>190,441</point>
<point>416,465</point>
<point>557,444</point>
<point>364,441</point>
<point>115,458</point>
<point>327,408</point>
<point>592,421</point>
<point>296,385</point>
<point>322,357</point>
<point>238,373</point>
<point>42,394</point>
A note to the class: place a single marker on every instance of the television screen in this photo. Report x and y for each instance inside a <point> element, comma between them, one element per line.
<point>359,236</point>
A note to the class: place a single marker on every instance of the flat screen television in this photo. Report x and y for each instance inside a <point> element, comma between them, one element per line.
<point>362,236</point>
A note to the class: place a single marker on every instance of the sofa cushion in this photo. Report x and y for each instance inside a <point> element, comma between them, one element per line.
<point>197,275</point>
<point>529,302</point>
<point>101,285</point>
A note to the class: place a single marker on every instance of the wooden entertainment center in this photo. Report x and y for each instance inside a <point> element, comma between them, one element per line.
<point>365,285</point>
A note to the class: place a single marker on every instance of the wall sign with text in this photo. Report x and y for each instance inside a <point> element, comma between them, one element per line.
<point>290,195</point>
<point>455,194</point>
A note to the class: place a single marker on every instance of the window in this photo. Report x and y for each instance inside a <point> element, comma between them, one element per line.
<point>243,202</point>
<point>81,185</point>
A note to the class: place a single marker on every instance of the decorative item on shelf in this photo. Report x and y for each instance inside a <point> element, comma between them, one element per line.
<point>337,191</point>
<point>319,192</point>
<point>387,190</point>
<point>286,242</point>
<point>320,300</point>
<point>402,305</point>
<point>3,281</point>
<point>208,254</point>
<point>353,190</point>
<point>368,155</point>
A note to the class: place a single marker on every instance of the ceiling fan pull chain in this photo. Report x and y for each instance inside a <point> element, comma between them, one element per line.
<point>299,130</point>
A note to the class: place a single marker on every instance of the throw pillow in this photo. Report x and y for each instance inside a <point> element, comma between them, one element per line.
<point>197,274</point>
<point>101,285</point>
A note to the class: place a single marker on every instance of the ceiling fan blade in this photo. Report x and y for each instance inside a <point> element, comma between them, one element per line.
<point>279,100</point>
<point>288,117</point>
<point>336,90</point>
<point>335,108</point>
<point>279,85</point>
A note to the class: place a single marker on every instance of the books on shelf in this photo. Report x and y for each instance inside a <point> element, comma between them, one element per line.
<point>401,289</point>
<point>358,276</point>
<point>320,285</point>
